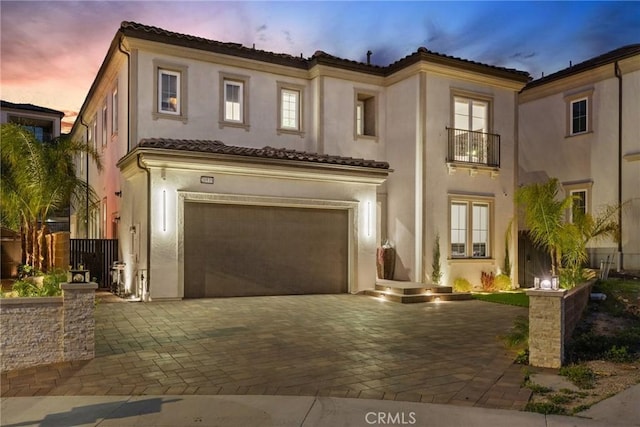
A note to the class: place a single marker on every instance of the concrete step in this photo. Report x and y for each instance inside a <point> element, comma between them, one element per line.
<point>417,298</point>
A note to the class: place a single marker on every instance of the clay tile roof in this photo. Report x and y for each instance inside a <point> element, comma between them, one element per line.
<point>30,107</point>
<point>425,54</point>
<point>218,147</point>
<point>606,58</point>
<point>147,32</point>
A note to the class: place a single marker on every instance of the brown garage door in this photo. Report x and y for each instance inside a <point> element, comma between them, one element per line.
<point>238,250</point>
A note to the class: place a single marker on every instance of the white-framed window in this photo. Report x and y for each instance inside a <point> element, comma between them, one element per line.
<point>104,124</point>
<point>471,141</point>
<point>579,117</point>
<point>290,108</point>
<point>94,134</point>
<point>470,228</point>
<point>365,114</point>
<point>578,202</point>
<point>114,111</point>
<point>579,111</point>
<point>170,91</point>
<point>234,101</point>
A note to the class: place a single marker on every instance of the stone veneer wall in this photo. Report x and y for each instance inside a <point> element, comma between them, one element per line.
<point>553,316</point>
<point>37,331</point>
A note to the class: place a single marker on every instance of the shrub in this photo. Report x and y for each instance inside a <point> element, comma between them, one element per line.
<point>502,282</point>
<point>48,287</point>
<point>488,281</point>
<point>619,354</point>
<point>545,408</point>
<point>519,334</point>
<point>581,375</point>
<point>462,285</point>
<point>436,274</point>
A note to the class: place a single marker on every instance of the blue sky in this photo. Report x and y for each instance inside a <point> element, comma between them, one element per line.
<point>51,51</point>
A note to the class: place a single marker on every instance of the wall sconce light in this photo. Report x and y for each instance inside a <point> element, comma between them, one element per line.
<point>368,220</point>
<point>116,219</point>
<point>118,193</point>
<point>164,210</point>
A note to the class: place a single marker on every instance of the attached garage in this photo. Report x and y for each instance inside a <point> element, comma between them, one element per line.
<point>246,250</point>
<point>208,220</point>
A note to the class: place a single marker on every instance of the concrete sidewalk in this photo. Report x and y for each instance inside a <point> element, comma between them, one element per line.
<point>307,411</point>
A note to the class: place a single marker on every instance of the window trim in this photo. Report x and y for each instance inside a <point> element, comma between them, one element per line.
<point>244,80</point>
<point>578,186</point>
<point>360,96</point>
<point>291,87</point>
<point>470,201</point>
<point>572,98</point>
<point>181,72</point>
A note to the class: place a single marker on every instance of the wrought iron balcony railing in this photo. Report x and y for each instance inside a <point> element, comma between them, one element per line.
<point>467,146</point>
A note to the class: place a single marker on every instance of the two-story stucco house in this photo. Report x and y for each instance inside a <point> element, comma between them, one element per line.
<point>581,125</point>
<point>234,171</point>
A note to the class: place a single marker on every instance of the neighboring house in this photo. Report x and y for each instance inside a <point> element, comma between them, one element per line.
<point>581,125</point>
<point>234,171</point>
<point>45,124</point>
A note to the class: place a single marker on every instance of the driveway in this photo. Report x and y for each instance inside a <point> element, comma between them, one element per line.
<point>326,345</point>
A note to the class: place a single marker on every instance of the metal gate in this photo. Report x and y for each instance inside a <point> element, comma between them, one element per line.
<point>96,255</point>
<point>532,261</point>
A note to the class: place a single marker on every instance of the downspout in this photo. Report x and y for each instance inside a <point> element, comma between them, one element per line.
<point>86,214</point>
<point>148,290</point>
<point>618,74</point>
<point>128,92</point>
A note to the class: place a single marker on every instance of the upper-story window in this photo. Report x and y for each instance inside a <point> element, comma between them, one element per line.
<point>104,124</point>
<point>290,108</point>
<point>114,111</point>
<point>170,94</point>
<point>470,140</point>
<point>234,101</point>
<point>579,112</point>
<point>42,129</point>
<point>94,135</point>
<point>579,116</point>
<point>365,114</point>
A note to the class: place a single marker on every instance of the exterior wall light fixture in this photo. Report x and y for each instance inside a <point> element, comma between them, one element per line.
<point>546,283</point>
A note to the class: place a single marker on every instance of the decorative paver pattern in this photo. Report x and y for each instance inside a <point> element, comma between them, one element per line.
<point>325,345</point>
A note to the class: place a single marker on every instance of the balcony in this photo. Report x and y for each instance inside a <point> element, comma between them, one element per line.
<point>471,148</point>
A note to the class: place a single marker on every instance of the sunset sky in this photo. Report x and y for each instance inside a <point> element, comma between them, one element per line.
<point>51,51</point>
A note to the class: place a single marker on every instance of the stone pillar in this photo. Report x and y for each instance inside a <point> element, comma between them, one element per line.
<point>546,328</point>
<point>78,323</point>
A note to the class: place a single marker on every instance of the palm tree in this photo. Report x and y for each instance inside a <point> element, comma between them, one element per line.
<point>38,179</point>
<point>566,242</point>
<point>544,216</point>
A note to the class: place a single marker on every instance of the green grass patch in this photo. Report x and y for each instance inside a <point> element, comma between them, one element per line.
<point>545,408</point>
<point>518,298</point>
<point>617,291</point>
<point>581,375</point>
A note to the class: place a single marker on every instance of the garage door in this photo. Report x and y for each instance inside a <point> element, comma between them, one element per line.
<point>239,250</point>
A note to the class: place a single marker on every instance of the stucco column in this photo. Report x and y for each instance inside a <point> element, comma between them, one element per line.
<point>546,328</point>
<point>78,322</point>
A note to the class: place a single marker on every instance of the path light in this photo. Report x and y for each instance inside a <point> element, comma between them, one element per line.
<point>546,283</point>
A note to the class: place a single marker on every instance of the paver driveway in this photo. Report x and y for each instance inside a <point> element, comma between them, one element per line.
<point>337,345</point>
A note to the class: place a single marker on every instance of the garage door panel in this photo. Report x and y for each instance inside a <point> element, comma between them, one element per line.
<point>238,250</point>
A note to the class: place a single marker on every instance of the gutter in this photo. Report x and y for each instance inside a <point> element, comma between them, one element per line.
<point>128,91</point>
<point>618,74</point>
<point>147,292</point>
